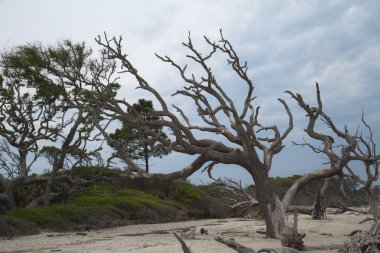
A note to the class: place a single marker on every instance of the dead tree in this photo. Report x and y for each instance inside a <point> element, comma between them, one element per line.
<point>239,135</point>
<point>363,242</point>
<point>220,116</point>
<point>185,248</point>
<point>243,129</point>
<point>319,208</point>
<point>290,236</point>
<point>366,153</point>
<point>241,200</point>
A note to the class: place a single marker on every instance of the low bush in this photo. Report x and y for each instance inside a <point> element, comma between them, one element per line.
<point>10,226</point>
<point>188,194</point>
<point>97,207</point>
<point>93,172</point>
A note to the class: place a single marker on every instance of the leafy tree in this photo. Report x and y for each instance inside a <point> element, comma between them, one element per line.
<point>138,141</point>
<point>39,105</point>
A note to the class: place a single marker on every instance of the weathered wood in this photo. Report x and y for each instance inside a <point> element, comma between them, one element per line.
<point>185,248</point>
<point>363,242</point>
<point>319,208</point>
<point>234,245</point>
<point>300,209</point>
<point>242,249</point>
<point>290,236</point>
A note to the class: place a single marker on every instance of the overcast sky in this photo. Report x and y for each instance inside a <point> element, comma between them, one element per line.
<point>289,45</point>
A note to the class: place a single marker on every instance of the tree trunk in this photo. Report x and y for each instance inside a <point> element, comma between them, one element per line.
<point>58,163</point>
<point>319,211</point>
<point>9,191</point>
<point>271,209</point>
<point>319,208</point>
<point>373,205</point>
<point>49,185</point>
<point>9,188</point>
<point>146,157</point>
<point>11,184</point>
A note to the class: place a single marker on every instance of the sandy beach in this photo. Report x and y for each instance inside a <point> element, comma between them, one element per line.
<point>322,236</point>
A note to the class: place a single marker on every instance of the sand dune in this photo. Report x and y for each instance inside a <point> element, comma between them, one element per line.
<point>322,236</point>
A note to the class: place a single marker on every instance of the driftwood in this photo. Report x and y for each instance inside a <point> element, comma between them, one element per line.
<point>367,219</point>
<point>204,231</point>
<point>234,245</point>
<point>290,236</point>
<point>300,209</point>
<point>185,248</point>
<point>242,249</point>
<point>188,233</point>
<point>364,242</point>
<point>319,208</point>
<point>342,209</point>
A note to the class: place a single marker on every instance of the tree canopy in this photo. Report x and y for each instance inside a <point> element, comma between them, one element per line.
<point>138,141</point>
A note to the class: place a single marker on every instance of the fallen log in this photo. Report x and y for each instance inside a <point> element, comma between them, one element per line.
<point>300,209</point>
<point>242,249</point>
<point>185,248</point>
<point>234,245</point>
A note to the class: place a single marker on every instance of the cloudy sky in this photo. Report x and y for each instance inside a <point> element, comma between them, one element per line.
<point>289,45</point>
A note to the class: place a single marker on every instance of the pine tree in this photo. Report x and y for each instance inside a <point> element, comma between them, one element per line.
<point>136,141</point>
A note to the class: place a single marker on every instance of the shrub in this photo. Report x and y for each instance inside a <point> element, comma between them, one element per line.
<point>161,188</point>
<point>96,207</point>
<point>187,194</point>
<point>92,172</point>
<point>10,226</point>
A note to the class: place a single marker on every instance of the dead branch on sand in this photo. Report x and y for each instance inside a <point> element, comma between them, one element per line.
<point>242,249</point>
<point>289,234</point>
<point>364,242</point>
<point>185,248</point>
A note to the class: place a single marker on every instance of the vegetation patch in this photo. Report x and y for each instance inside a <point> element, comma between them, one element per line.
<point>10,226</point>
<point>95,206</point>
<point>187,194</point>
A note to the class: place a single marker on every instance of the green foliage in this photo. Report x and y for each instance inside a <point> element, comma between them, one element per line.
<point>199,201</point>
<point>49,150</point>
<point>284,181</point>
<point>161,188</point>
<point>99,204</point>
<point>137,142</point>
<point>10,226</point>
<point>29,64</point>
<point>24,194</point>
<point>187,194</point>
<point>91,172</point>
<point>333,193</point>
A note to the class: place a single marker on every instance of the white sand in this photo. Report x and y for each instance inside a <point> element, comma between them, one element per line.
<point>158,238</point>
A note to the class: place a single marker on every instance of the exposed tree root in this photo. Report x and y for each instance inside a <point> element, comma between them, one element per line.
<point>364,242</point>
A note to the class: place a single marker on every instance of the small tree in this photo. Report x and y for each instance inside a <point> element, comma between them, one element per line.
<point>137,140</point>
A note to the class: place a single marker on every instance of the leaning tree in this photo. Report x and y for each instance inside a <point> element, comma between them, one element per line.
<point>235,135</point>
<point>38,107</point>
<point>235,123</point>
<point>367,155</point>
